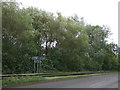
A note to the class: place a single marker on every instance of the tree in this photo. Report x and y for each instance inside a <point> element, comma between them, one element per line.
<point>67,43</point>
<point>16,34</point>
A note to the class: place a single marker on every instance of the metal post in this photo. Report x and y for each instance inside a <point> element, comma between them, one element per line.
<point>37,66</point>
<point>34,66</point>
<point>40,64</point>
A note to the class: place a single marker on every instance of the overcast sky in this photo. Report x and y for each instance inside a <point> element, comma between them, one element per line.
<point>95,12</point>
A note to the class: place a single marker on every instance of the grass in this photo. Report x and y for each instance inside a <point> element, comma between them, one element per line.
<point>74,76</point>
<point>18,80</point>
<point>8,81</point>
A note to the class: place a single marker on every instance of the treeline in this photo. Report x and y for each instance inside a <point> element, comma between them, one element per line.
<point>67,43</point>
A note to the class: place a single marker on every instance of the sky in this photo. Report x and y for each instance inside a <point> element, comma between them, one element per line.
<point>95,12</point>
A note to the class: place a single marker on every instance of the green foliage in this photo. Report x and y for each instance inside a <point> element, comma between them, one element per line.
<point>21,80</point>
<point>16,35</point>
<point>66,42</point>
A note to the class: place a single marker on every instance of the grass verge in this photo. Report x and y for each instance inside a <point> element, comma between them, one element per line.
<point>12,81</point>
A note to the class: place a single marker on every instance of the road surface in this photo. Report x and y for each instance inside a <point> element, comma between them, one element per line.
<point>102,81</point>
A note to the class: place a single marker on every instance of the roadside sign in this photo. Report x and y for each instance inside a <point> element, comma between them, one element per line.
<point>37,62</point>
<point>38,58</point>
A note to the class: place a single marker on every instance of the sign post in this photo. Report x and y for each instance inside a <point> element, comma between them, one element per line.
<point>37,60</point>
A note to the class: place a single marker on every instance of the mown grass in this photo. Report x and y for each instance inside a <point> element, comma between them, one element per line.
<point>29,79</point>
<point>18,80</point>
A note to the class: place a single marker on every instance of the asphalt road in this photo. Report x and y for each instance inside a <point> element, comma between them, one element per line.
<point>103,81</point>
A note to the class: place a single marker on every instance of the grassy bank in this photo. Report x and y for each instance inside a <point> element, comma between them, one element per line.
<point>11,81</point>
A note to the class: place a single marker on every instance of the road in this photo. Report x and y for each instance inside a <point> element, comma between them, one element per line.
<point>102,81</point>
